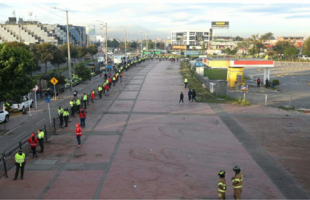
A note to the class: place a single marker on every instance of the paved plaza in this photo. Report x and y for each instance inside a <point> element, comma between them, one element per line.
<point>140,143</point>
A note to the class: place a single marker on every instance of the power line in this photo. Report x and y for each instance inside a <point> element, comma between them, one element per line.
<point>49,10</point>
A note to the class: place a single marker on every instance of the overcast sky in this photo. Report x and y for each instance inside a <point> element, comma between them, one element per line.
<point>160,17</point>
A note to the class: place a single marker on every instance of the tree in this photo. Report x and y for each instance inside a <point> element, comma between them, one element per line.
<point>16,65</point>
<point>291,52</point>
<point>81,52</point>
<point>58,58</point>
<point>73,52</point>
<point>45,52</point>
<point>133,45</point>
<point>113,44</point>
<point>161,45</point>
<point>61,79</point>
<point>256,43</point>
<point>92,50</point>
<point>281,46</point>
<point>267,36</point>
<point>306,47</point>
<point>238,38</point>
<point>83,72</point>
<point>244,45</point>
<point>228,51</point>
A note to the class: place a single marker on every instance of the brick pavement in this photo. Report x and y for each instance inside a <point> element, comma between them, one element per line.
<point>141,143</point>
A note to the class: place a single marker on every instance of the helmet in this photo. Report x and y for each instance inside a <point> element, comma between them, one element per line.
<point>32,134</point>
<point>236,169</point>
<point>222,173</point>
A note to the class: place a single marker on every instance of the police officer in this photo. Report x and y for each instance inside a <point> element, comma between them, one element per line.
<point>85,100</point>
<point>78,104</point>
<point>41,140</point>
<point>60,115</point>
<point>237,182</point>
<point>185,82</point>
<point>221,185</point>
<point>20,162</point>
<point>100,91</point>
<point>113,79</point>
<point>72,107</point>
<point>66,117</point>
<point>7,106</point>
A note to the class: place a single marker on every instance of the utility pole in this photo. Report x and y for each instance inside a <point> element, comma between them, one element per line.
<point>125,41</point>
<point>106,44</point>
<point>141,43</point>
<point>69,56</point>
<point>146,43</point>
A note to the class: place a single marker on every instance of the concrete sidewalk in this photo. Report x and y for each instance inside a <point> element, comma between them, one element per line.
<point>140,143</point>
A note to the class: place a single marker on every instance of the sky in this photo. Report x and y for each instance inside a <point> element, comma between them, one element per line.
<point>159,18</point>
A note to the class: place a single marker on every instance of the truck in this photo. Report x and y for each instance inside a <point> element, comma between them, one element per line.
<point>303,57</point>
<point>4,116</point>
<point>20,106</point>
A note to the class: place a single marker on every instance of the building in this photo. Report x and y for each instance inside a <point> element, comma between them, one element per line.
<point>298,41</point>
<point>191,38</point>
<point>33,32</point>
<point>222,42</point>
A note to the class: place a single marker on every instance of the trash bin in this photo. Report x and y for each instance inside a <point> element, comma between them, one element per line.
<point>271,85</point>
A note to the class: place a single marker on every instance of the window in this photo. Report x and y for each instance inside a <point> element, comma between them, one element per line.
<point>192,42</point>
<point>192,33</point>
<point>191,37</point>
<point>206,33</point>
<point>199,33</point>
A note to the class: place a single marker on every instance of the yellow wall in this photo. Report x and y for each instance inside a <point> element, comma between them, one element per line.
<point>217,63</point>
<point>232,73</point>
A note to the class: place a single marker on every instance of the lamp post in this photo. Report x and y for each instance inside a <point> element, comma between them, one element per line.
<point>125,38</point>
<point>141,43</point>
<point>68,43</point>
<point>106,41</point>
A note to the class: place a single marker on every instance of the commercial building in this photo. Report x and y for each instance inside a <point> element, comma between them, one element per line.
<point>191,38</point>
<point>298,41</point>
<point>33,32</point>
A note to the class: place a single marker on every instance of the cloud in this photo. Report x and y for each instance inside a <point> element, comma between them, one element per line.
<point>298,17</point>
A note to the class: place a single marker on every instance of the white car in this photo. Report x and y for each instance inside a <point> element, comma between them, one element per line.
<point>22,106</point>
<point>4,116</point>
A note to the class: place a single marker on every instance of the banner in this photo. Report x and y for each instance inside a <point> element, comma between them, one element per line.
<point>178,47</point>
<point>192,52</point>
<point>220,24</point>
<point>91,30</point>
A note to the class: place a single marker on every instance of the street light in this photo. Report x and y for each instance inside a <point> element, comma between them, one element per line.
<point>68,42</point>
<point>125,38</point>
<point>141,43</point>
<point>106,42</point>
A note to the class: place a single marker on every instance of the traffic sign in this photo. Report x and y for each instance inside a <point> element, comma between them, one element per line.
<point>36,88</point>
<point>47,100</point>
<point>54,81</point>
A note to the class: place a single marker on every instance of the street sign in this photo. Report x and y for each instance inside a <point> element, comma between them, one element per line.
<point>54,81</point>
<point>47,100</point>
<point>36,88</point>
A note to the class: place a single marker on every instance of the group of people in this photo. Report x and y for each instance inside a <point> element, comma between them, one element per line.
<point>267,83</point>
<point>236,183</point>
<point>191,95</point>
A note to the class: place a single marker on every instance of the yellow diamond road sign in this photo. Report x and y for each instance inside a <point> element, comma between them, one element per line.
<point>54,81</point>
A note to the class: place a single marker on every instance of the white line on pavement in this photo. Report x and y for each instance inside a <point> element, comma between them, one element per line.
<point>12,130</point>
<point>41,121</point>
<point>19,135</point>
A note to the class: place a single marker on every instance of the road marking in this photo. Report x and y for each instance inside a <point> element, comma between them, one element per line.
<point>19,135</point>
<point>263,91</point>
<point>41,121</point>
<point>12,130</point>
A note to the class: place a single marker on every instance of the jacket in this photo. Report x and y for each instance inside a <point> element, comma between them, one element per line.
<point>181,96</point>
<point>92,95</point>
<point>78,131</point>
<point>189,92</point>
<point>82,114</point>
<point>110,80</point>
<point>33,143</point>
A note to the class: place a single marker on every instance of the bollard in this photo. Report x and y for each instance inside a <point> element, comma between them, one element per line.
<point>4,166</point>
<point>265,99</point>
<point>54,125</point>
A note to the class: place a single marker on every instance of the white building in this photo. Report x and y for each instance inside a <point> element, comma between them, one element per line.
<point>190,37</point>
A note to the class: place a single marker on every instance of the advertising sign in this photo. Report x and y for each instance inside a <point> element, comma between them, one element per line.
<point>199,64</point>
<point>178,47</point>
<point>192,52</point>
<point>220,24</point>
<point>91,30</point>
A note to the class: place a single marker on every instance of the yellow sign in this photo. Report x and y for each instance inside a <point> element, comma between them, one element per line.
<point>54,81</point>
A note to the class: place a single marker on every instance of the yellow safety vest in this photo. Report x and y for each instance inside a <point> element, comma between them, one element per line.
<point>71,103</point>
<point>60,111</point>
<point>113,78</point>
<point>222,183</point>
<point>20,158</point>
<point>99,88</point>
<point>41,135</point>
<point>85,97</point>
<point>66,113</point>
<point>185,80</point>
<point>78,102</point>
<point>107,81</point>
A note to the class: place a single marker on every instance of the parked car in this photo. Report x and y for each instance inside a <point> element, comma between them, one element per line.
<point>4,116</point>
<point>21,106</point>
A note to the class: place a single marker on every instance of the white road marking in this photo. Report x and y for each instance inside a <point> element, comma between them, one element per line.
<point>19,135</point>
<point>12,130</point>
<point>41,121</point>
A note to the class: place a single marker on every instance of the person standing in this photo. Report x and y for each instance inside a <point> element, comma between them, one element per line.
<point>181,97</point>
<point>113,80</point>
<point>60,115</point>
<point>41,140</point>
<point>258,82</point>
<point>106,88</point>
<point>110,82</point>
<point>85,100</point>
<point>100,91</point>
<point>66,117</point>
<point>185,82</point>
<point>237,182</point>
<point>75,93</point>
<point>72,107</point>
<point>20,162</point>
<point>105,75</point>
<point>189,94</point>
<point>92,96</point>
<point>33,141</point>
<point>78,134</point>
<point>121,76</point>
<point>221,185</point>
<point>82,116</point>
<point>78,103</point>
<point>267,82</point>
<point>194,94</point>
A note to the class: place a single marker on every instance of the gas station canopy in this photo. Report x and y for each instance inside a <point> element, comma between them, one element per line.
<point>231,62</point>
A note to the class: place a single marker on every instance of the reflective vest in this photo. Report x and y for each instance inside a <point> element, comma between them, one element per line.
<point>221,185</point>
<point>60,111</point>
<point>237,181</point>
<point>116,74</point>
<point>41,135</point>
<point>78,102</point>
<point>113,78</point>
<point>99,88</point>
<point>71,103</point>
<point>185,80</point>
<point>66,113</point>
<point>85,97</point>
<point>107,81</point>
<point>20,158</point>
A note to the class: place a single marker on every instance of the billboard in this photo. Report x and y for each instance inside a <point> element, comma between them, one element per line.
<point>220,24</point>
<point>91,30</point>
<point>191,52</point>
<point>178,47</point>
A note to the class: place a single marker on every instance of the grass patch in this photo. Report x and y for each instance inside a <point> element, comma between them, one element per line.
<point>292,108</point>
<point>216,74</point>
<point>203,95</point>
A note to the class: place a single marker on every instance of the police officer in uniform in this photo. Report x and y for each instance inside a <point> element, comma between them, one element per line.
<point>85,100</point>
<point>60,115</point>
<point>66,117</point>
<point>78,103</point>
<point>20,162</point>
<point>41,140</point>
